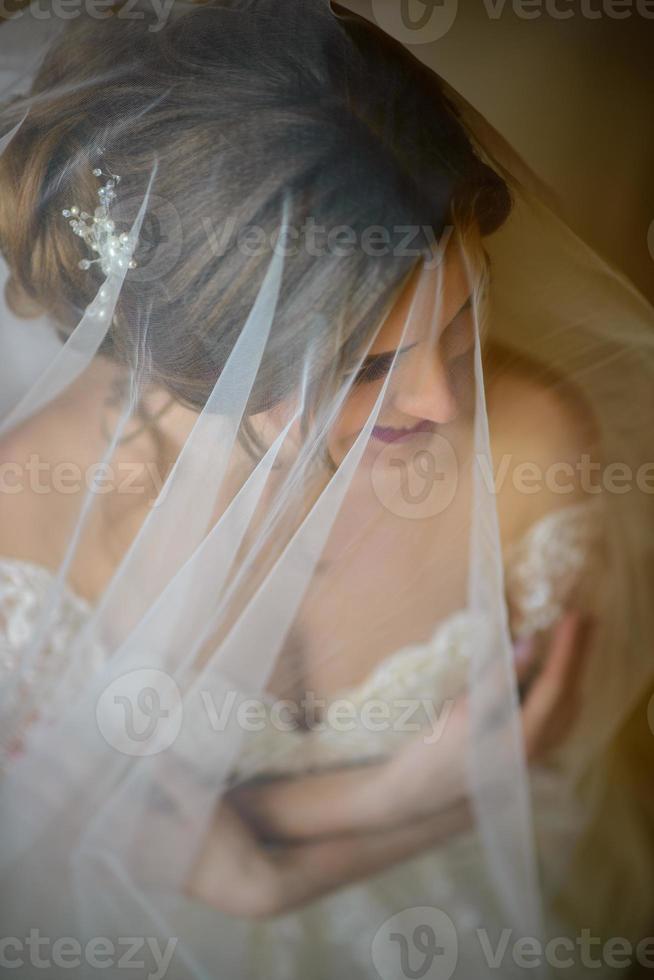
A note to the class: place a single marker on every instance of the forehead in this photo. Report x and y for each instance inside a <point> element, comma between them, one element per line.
<point>431,297</point>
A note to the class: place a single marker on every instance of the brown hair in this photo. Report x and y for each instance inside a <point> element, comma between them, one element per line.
<point>242,105</point>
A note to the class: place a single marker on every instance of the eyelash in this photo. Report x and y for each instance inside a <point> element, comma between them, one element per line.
<point>374,372</point>
<point>380,368</point>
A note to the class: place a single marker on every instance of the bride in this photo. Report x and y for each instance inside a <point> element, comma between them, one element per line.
<point>325,529</point>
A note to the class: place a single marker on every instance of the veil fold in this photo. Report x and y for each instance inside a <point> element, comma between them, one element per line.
<point>255,542</point>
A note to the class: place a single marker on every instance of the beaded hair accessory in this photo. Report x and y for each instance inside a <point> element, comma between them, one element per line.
<point>99,231</point>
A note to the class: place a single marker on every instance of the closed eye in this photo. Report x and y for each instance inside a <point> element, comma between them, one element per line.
<point>376,366</point>
<point>456,339</point>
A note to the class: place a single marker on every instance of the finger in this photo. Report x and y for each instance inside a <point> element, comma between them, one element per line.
<point>555,691</point>
<point>309,871</point>
<point>523,653</point>
<point>566,658</point>
<point>231,872</point>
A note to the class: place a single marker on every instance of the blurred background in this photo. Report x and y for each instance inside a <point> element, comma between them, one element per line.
<point>571,86</point>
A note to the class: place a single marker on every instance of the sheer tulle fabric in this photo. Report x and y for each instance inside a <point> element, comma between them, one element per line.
<point>242,551</point>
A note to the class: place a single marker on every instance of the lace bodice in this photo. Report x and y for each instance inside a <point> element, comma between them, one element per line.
<point>542,570</point>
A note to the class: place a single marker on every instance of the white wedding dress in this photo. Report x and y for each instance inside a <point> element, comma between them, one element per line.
<point>333,937</point>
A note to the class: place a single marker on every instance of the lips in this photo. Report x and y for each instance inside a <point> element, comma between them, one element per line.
<point>389,434</point>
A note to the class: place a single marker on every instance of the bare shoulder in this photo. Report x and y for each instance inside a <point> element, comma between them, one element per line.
<point>38,463</point>
<point>543,442</point>
<point>44,469</point>
<point>48,469</point>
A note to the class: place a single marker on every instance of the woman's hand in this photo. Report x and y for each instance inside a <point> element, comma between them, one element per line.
<point>370,818</point>
<point>236,875</point>
<point>423,777</point>
<point>552,697</point>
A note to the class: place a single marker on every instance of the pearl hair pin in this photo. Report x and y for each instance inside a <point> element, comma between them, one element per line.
<point>99,231</point>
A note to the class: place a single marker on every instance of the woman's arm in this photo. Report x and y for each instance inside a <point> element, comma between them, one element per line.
<point>409,808</point>
<point>326,804</point>
<point>237,876</point>
<point>422,779</point>
<point>306,872</point>
<point>397,811</point>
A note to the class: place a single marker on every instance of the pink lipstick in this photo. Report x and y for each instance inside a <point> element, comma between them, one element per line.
<point>389,434</point>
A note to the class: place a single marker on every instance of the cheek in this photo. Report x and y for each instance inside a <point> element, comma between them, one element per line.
<point>355,412</point>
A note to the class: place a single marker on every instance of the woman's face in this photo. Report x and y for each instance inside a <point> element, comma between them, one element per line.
<point>425,343</point>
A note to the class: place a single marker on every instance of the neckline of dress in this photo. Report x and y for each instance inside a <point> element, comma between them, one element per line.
<point>533,530</point>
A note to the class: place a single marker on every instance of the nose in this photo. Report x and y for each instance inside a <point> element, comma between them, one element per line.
<point>424,390</point>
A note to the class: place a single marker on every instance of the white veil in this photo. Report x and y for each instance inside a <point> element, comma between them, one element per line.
<point>256,539</point>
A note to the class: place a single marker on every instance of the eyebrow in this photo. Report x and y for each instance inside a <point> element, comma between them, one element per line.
<point>375,360</point>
